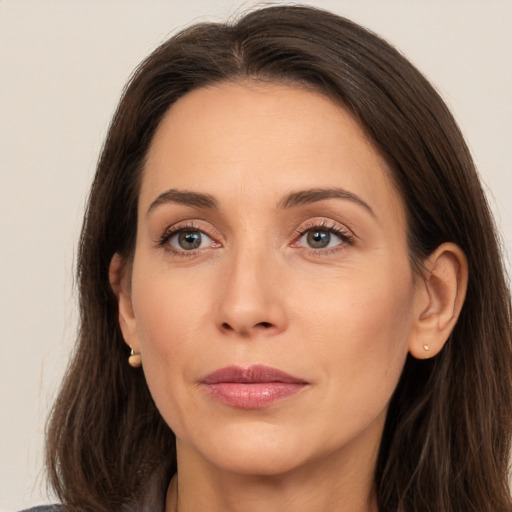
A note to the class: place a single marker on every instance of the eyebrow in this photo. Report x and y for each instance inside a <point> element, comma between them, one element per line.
<point>298,198</point>
<point>313,195</point>
<point>185,197</point>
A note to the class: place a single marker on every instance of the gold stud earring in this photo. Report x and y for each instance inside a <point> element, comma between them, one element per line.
<point>426,348</point>
<point>135,359</point>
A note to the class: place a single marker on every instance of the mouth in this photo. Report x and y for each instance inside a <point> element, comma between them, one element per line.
<point>251,388</point>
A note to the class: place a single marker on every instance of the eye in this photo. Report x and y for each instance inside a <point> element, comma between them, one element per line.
<point>320,239</point>
<point>189,240</point>
<point>186,239</point>
<point>323,236</point>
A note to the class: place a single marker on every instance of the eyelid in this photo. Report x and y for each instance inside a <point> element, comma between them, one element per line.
<point>325,224</point>
<point>188,225</point>
<point>346,235</point>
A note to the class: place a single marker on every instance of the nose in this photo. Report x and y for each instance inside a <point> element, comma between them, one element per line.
<point>252,298</point>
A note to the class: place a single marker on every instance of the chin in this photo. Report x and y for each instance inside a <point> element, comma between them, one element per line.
<point>258,461</point>
<point>260,450</point>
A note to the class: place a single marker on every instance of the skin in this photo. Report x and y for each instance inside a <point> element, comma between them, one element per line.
<point>342,318</point>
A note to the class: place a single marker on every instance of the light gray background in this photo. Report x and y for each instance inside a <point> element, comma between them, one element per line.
<point>62,67</point>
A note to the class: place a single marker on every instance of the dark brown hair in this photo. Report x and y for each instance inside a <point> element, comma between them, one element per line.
<point>446,443</point>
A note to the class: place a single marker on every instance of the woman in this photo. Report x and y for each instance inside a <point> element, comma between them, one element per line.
<point>292,296</point>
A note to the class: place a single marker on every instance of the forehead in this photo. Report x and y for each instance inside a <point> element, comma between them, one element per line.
<point>256,140</point>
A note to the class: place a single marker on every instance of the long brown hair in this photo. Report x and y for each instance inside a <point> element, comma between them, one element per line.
<point>446,443</point>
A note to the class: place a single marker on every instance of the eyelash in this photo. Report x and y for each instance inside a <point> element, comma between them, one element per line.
<point>171,231</point>
<point>346,237</point>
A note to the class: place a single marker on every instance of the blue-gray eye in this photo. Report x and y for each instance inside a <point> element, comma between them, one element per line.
<point>190,240</point>
<point>320,239</point>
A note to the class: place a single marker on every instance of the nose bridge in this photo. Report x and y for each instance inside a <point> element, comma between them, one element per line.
<point>251,300</point>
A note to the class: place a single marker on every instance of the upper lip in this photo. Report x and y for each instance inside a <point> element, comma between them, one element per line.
<point>253,374</point>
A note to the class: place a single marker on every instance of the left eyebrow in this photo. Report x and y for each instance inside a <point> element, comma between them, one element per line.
<point>314,195</point>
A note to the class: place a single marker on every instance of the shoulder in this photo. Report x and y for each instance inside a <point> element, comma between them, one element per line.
<point>46,508</point>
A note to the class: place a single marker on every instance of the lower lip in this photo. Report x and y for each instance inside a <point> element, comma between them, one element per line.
<point>253,395</point>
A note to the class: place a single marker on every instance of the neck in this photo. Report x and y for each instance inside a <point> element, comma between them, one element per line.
<point>330,484</point>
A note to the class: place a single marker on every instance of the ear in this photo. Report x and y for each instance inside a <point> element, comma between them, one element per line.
<point>120,281</point>
<point>439,298</point>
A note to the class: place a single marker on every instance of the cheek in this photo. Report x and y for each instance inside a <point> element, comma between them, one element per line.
<point>381,318</point>
<point>169,308</point>
<point>364,327</point>
<point>364,309</point>
<point>170,317</point>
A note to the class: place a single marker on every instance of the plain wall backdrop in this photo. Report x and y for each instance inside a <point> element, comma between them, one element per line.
<point>63,65</point>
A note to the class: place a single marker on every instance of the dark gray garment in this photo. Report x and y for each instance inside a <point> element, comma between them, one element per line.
<point>45,508</point>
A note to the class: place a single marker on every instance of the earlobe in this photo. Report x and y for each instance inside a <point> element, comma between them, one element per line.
<point>119,277</point>
<point>439,298</point>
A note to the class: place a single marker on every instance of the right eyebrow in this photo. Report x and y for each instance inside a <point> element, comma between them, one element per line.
<point>186,197</point>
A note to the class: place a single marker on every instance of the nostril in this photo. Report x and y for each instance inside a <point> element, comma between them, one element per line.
<point>241,329</point>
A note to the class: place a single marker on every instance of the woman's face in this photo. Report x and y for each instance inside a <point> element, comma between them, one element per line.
<point>271,293</point>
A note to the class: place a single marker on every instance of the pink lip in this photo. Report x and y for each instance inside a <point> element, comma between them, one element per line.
<point>251,388</point>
